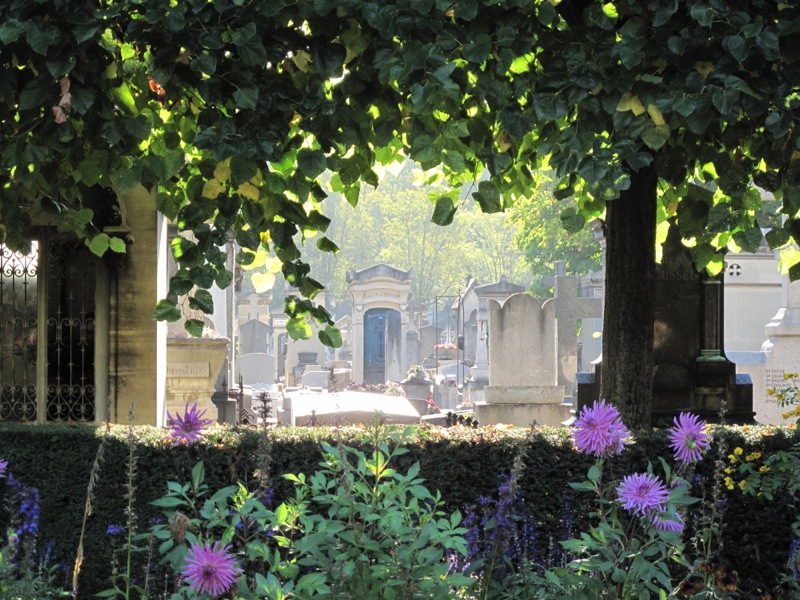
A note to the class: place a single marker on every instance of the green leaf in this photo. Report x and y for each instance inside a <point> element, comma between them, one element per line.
<point>117,245</point>
<point>312,163</point>
<point>777,237</point>
<point>10,31</point>
<point>99,244</point>
<point>444,211</point>
<point>166,311</point>
<point>330,336</point>
<point>684,106</point>
<point>478,50</point>
<point>40,40</point>
<point>198,475</point>
<point>655,136</point>
<point>168,502</point>
<point>202,300</point>
<point>194,327</point>
<point>572,220</point>
<point>326,245</point>
<point>749,240</point>
<point>246,97</point>
<point>298,329</point>
<point>736,47</point>
<point>488,197</point>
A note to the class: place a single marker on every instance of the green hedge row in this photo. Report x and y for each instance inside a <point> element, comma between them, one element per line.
<point>463,464</point>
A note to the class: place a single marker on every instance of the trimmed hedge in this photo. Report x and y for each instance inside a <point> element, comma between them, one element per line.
<point>463,464</point>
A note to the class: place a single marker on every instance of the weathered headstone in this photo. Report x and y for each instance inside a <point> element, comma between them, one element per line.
<point>781,355</point>
<point>523,375</point>
<point>256,367</point>
<point>253,337</point>
<point>498,291</point>
<point>569,308</point>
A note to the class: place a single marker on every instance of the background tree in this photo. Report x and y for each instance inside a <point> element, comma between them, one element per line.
<point>544,239</point>
<point>392,224</point>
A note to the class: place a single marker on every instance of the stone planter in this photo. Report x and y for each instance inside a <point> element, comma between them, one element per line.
<point>417,394</point>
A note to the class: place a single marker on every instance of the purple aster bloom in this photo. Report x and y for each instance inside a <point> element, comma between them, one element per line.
<point>210,569</point>
<point>642,493</point>
<point>3,467</point>
<point>663,522</point>
<point>189,426</point>
<point>688,438</point>
<point>599,430</point>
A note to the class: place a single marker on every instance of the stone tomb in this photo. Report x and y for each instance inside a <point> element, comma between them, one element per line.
<point>380,297</point>
<point>691,372</point>
<point>523,374</point>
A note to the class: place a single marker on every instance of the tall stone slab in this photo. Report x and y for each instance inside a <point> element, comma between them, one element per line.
<point>523,374</point>
<point>569,308</point>
<point>498,291</point>
<point>781,353</point>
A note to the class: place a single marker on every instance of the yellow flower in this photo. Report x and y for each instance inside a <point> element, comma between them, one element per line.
<point>753,456</point>
<point>763,468</point>
<point>787,376</point>
<point>743,484</point>
<point>738,451</point>
<point>729,483</point>
<point>770,391</point>
<point>728,470</point>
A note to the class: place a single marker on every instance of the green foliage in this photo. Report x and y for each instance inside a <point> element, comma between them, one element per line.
<point>231,111</point>
<point>464,464</point>
<point>356,528</point>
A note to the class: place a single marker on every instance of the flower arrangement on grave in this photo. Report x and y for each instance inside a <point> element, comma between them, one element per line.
<point>445,346</point>
<point>394,389</point>
<point>417,374</point>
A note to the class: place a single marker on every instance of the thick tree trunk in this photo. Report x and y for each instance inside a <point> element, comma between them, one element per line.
<point>627,371</point>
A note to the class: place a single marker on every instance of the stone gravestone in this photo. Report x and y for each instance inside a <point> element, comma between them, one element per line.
<point>569,307</point>
<point>522,365</point>
<point>498,291</point>
<point>256,367</point>
<point>691,372</point>
<point>781,355</point>
<point>253,336</point>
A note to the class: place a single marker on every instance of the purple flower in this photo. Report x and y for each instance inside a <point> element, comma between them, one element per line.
<point>210,569</point>
<point>3,467</point>
<point>642,493</point>
<point>115,529</point>
<point>599,430</point>
<point>664,522</point>
<point>189,426</point>
<point>688,438</point>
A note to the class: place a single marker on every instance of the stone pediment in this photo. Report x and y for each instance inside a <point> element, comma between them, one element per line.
<point>378,271</point>
<point>502,288</point>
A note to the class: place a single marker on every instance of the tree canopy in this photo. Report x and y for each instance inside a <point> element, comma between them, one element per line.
<point>233,109</point>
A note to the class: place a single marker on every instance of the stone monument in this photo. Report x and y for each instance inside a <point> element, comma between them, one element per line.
<point>523,375</point>
<point>498,291</point>
<point>691,372</point>
<point>380,297</point>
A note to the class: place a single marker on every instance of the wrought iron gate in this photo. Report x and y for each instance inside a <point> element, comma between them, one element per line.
<point>47,306</point>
